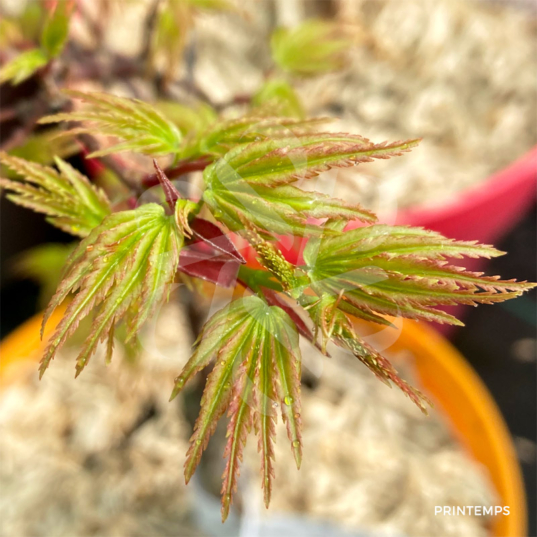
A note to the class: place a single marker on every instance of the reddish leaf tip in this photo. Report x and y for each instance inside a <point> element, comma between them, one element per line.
<point>171,193</point>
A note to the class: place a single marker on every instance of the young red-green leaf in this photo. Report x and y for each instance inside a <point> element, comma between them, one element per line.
<point>250,183</point>
<point>240,415</point>
<point>369,241</point>
<point>400,271</point>
<point>311,48</point>
<point>282,210</point>
<point>67,197</point>
<point>224,135</point>
<point>139,126</point>
<point>126,264</point>
<point>257,364</point>
<point>276,161</point>
<point>23,66</point>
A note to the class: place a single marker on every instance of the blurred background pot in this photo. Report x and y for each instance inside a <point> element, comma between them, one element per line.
<point>472,414</point>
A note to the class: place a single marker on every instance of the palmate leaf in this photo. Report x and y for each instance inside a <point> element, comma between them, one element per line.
<point>284,160</point>
<point>257,365</point>
<point>311,48</point>
<point>140,126</point>
<point>66,196</point>
<point>123,267</point>
<point>222,136</point>
<point>283,210</point>
<point>401,271</point>
<point>251,182</point>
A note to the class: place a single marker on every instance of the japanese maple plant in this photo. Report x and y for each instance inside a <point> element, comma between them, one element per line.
<point>129,255</point>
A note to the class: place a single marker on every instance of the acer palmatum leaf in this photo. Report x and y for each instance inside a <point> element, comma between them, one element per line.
<point>257,364</point>
<point>66,197</point>
<point>138,125</point>
<point>219,138</point>
<point>313,47</point>
<point>127,263</point>
<point>251,183</point>
<point>277,161</point>
<point>402,271</point>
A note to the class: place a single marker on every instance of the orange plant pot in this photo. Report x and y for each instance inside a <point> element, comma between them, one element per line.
<point>470,411</point>
<point>443,374</point>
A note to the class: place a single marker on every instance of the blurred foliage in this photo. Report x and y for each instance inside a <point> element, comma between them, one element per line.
<point>278,96</point>
<point>56,29</point>
<point>313,47</point>
<point>43,264</point>
<point>174,21</point>
<point>23,66</point>
<point>190,120</point>
<point>42,147</point>
<point>53,38</point>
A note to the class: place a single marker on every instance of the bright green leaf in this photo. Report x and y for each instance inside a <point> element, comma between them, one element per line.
<point>43,146</point>
<point>44,265</point>
<point>334,324</point>
<point>190,120</point>
<point>123,268</point>
<point>250,183</point>
<point>224,135</point>
<point>277,161</point>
